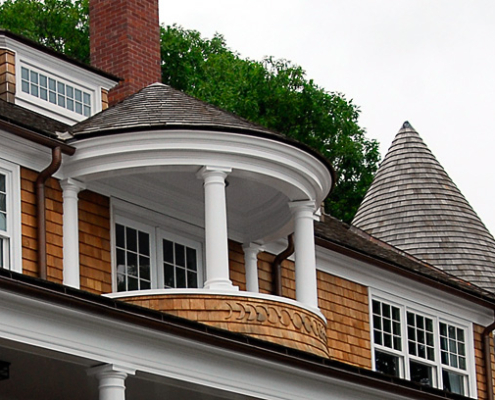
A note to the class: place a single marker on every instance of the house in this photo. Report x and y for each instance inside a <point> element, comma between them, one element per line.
<point>147,249</point>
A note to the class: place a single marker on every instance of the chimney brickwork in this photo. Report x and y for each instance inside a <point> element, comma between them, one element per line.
<point>125,41</point>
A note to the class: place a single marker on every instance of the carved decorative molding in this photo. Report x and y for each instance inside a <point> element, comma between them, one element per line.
<point>272,315</point>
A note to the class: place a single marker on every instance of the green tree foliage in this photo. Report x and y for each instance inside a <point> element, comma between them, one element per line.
<point>273,93</point>
<point>276,94</point>
<point>59,24</point>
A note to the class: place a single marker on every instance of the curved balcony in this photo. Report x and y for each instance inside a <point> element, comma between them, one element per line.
<point>274,319</point>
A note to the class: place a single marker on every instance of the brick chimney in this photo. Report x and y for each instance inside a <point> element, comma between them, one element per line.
<point>125,41</point>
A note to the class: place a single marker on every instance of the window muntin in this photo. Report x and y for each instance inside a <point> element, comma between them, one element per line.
<point>147,257</point>
<point>55,91</point>
<point>433,351</point>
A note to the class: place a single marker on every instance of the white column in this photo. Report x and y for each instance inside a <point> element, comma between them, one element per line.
<point>304,246</point>
<point>111,381</point>
<point>71,189</point>
<point>251,251</point>
<point>216,238</point>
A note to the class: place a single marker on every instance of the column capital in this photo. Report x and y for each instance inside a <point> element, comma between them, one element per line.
<point>70,184</point>
<point>309,205</point>
<point>110,369</point>
<point>210,170</point>
<point>253,247</point>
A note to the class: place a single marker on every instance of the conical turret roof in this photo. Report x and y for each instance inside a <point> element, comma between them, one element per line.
<point>413,205</point>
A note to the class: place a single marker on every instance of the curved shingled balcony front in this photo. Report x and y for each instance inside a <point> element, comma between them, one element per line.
<point>274,319</point>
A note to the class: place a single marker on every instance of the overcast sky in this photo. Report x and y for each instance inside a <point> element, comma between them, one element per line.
<point>430,62</point>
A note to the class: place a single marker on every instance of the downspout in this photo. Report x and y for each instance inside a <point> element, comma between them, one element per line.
<point>277,265</point>
<point>40,203</point>
<point>488,359</point>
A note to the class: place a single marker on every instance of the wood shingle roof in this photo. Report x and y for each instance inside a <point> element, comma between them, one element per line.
<point>413,205</point>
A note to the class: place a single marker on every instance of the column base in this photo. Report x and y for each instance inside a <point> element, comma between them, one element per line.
<point>222,285</point>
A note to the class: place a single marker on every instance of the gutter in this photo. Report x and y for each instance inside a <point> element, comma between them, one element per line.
<point>41,205</point>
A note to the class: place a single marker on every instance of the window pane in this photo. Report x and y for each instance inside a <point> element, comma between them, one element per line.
<point>386,310</point>
<point>78,95</point>
<point>2,183</point>
<point>378,337</point>
<point>377,322</point>
<point>376,307</point>
<point>34,77</point>
<point>120,236</point>
<point>52,97</point>
<point>70,91</point>
<point>79,108</point>
<point>87,111</point>
<point>3,202</point>
<point>3,221</point>
<point>387,363</point>
<point>43,81</point>
<point>133,283</point>
<point>180,275</point>
<point>453,382</point>
<point>121,283</point>
<point>34,90</point>
<point>144,243</point>
<point>168,251</point>
<point>132,264</point>
<point>180,256</point>
<point>25,73</point>
<point>25,86</point>
<point>421,373</point>
<point>87,99</point>
<point>169,275</point>
<point>144,268</point>
<point>145,285</point>
<point>131,239</point>
<point>44,94</point>
<point>60,88</point>
<point>61,100</point>
<point>443,329</point>
<point>192,279</point>
<point>191,259</point>
<point>52,84</point>
<point>70,104</point>
<point>120,260</point>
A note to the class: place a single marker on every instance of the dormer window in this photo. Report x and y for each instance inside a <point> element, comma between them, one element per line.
<point>55,91</point>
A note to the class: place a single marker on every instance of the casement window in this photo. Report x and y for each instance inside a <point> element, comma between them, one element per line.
<point>10,218</point>
<point>51,89</point>
<point>427,349</point>
<point>149,257</point>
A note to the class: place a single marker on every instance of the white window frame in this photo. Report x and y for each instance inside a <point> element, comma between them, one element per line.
<point>404,356</point>
<point>12,239</point>
<point>159,227</point>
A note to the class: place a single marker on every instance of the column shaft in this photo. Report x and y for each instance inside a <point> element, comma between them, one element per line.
<point>216,237</point>
<point>251,251</point>
<point>71,189</point>
<point>304,245</point>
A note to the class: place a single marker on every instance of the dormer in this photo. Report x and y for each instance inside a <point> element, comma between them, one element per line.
<point>49,83</point>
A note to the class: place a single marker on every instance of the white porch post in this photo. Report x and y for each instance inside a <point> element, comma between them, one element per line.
<point>251,251</point>
<point>216,238</point>
<point>304,246</point>
<point>111,381</point>
<point>71,189</point>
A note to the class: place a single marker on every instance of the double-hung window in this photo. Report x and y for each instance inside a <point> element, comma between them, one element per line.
<point>149,257</point>
<point>9,217</point>
<point>412,344</point>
